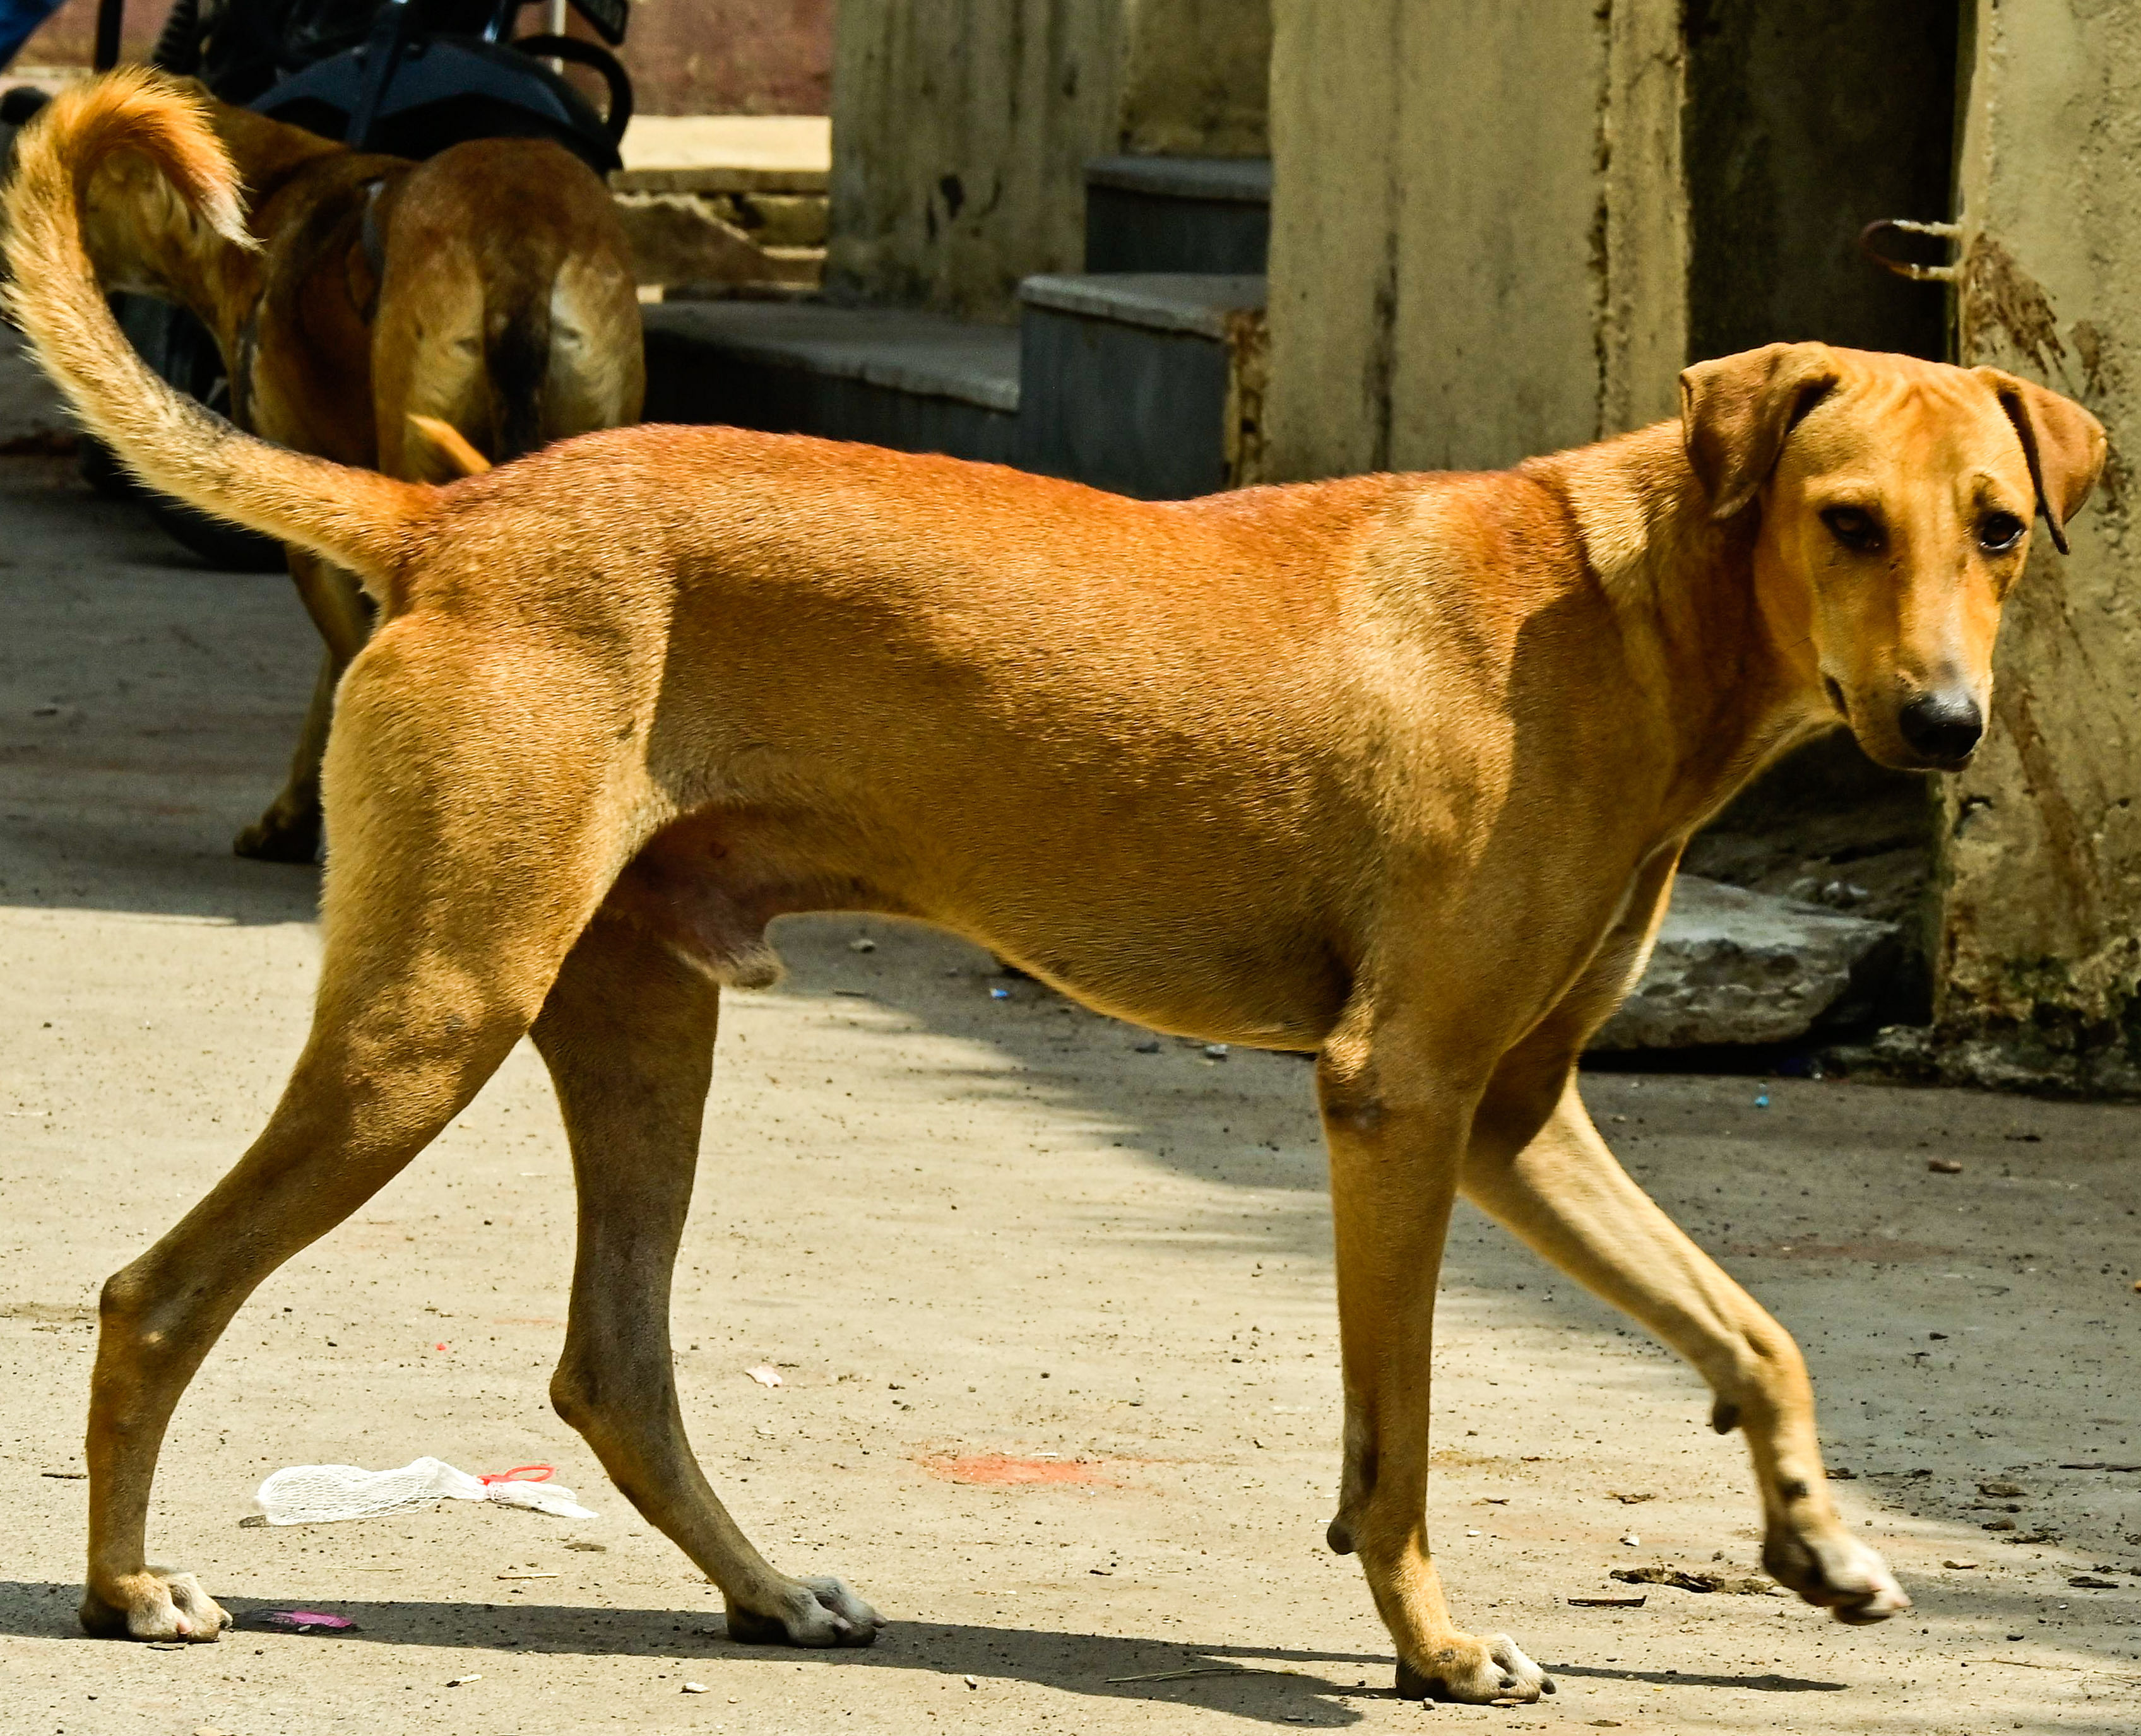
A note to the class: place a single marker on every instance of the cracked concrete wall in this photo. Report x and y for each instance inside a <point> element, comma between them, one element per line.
<point>1479,240</point>
<point>1806,119</point>
<point>960,129</point>
<point>2038,959</point>
<point>1197,78</point>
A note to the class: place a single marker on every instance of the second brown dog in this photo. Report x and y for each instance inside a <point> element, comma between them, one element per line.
<point>490,287</point>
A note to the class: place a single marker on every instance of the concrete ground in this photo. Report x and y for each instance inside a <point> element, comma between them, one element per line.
<point>1053,1314</point>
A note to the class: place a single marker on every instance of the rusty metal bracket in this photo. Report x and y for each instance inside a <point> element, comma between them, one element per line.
<point>1904,268</point>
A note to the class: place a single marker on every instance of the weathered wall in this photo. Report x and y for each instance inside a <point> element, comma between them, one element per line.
<point>68,38</point>
<point>1807,120</point>
<point>1197,78</point>
<point>1477,249</point>
<point>2041,849</point>
<point>685,56</point>
<point>960,128</point>
<point>727,56</point>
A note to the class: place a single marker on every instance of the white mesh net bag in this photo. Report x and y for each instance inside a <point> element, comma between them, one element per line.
<point>318,1494</point>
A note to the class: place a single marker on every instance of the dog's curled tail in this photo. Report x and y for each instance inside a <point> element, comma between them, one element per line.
<point>368,522</point>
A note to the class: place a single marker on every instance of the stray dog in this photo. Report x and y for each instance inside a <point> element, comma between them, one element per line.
<point>490,288</point>
<point>1394,770</point>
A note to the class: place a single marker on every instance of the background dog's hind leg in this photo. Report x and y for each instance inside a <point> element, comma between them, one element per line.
<point>628,1034</point>
<point>289,829</point>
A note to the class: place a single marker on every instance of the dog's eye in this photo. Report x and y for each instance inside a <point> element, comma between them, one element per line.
<point>1858,531</point>
<point>1999,532</point>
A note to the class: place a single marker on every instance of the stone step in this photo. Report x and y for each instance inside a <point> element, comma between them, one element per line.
<point>1146,383</point>
<point>1177,214</point>
<point>920,382</point>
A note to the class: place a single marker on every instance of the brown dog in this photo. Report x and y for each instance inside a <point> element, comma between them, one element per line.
<point>1395,770</point>
<point>490,288</point>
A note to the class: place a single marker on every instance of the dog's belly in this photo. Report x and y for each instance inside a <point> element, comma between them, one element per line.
<point>1222,971</point>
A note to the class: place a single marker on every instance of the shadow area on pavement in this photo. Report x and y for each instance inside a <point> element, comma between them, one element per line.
<point>148,708</point>
<point>1263,1685</point>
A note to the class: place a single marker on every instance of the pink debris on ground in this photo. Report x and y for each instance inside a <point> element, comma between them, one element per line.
<point>999,1469</point>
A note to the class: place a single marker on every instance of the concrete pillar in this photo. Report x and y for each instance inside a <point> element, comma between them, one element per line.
<point>2040,906</point>
<point>960,128</point>
<point>1477,238</point>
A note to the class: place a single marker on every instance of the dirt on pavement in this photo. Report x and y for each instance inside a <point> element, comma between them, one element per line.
<point>1051,1307</point>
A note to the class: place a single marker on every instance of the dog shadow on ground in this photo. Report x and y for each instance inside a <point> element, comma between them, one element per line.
<point>1316,1689</point>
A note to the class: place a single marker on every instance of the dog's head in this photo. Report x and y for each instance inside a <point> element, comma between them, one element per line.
<point>1897,500</point>
<point>141,235</point>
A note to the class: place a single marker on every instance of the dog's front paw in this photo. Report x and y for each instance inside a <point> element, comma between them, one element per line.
<point>154,1604</point>
<point>1473,1672</point>
<point>815,1612</point>
<point>1834,1571</point>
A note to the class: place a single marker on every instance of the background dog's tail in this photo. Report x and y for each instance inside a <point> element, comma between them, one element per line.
<point>448,447</point>
<point>368,522</point>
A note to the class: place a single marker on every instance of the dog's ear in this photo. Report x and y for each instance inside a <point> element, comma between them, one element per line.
<point>1735,411</point>
<point>2063,442</point>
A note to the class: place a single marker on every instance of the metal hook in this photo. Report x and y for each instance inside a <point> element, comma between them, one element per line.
<point>1903,267</point>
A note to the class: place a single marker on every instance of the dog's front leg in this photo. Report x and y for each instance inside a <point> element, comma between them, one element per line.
<point>629,1034</point>
<point>1396,1134</point>
<point>1537,1165</point>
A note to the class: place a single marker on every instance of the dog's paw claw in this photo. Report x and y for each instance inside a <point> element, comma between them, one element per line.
<point>1476,1673</point>
<point>1836,1573</point>
<point>156,1604</point>
<point>818,1613</point>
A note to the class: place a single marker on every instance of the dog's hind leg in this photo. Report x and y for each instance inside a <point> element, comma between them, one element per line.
<point>628,1034</point>
<point>289,829</point>
<point>474,850</point>
<point>1395,1124</point>
<point>373,1086</point>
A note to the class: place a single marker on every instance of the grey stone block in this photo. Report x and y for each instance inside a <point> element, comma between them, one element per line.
<point>919,382</point>
<point>1736,966</point>
<point>1177,214</point>
<point>1125,379</point>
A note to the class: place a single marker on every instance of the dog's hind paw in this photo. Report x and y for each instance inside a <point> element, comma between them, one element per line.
<point>1837,1572</point>
<point>1473,1672</point>
<point>280,837</point>
<point>154,1604</point>
<point>817,1612</point>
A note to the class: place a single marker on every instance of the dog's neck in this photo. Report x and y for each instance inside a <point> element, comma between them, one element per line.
<point>1683,589</point>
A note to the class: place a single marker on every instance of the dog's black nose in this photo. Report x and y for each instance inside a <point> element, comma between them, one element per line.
<point>1944,726</point>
